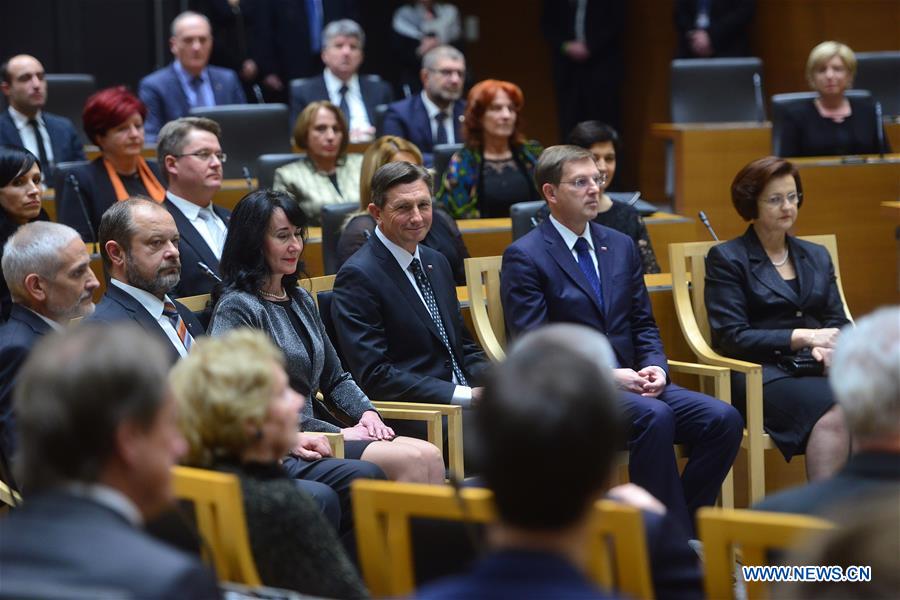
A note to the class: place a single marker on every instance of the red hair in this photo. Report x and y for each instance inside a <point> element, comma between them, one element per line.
<point>480,97</point>
<point>109,108</point>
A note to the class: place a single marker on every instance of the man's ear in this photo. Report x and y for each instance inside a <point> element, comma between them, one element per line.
<point>169,164</point>
<point>423,75</point>
<point>115,252</point>
<point>549,193</point>
<point>35,286</point>
<point>4,87</point>
<point>128,450</point>
<point>172,42</point>
<point>374,212</point>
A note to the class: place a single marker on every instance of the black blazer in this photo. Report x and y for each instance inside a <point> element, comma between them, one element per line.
<point>117,305</point>
<point>752,310</point>
<point>17,336</point>
<point>97,194</point>
<point>729,26</point>
<point>67,145</point>
<point>194,249</point>
<point>374,92</point>
<point>388,339</point>
<point>408,119</point>
<point>804,132</point>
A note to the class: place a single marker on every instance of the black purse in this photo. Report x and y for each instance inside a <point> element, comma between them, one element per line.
<point>801,364</point>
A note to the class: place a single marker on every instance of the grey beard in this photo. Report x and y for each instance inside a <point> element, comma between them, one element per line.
<point>159,286</point>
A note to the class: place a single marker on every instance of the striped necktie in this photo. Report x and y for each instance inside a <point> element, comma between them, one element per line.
<point>178,323</point>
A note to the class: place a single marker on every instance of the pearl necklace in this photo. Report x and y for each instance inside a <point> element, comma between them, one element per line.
<point>282,296</point>
<point>781,263</point>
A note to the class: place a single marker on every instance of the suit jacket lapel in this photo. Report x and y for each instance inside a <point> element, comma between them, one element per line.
<point>34,322</point>
<point>806,272</point>
<point>8,128</point>
<point>140,315</point>
<point>192,237</point>
<point>606,258</point>
<point>459,109</point>
<point>563,257</point>
<point>365,88</point>
<point>178,91</point>
<point>421,121</point>
<point>441,295</point>
<point>764,271</point>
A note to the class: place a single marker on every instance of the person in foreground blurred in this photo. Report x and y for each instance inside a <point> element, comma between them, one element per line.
<point>865,379</point>
<point>99,436</point>
<point>770,296</point>
<point>443,236</point>
<point>832,123</point>
<point>539,543</point>
<point>114,121</point>
<point>327,174</point>
<point>260,266</point>
<point>239,415</point>
<point>494,170</point>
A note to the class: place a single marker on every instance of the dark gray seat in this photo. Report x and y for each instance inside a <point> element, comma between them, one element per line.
<point>333,216</point>
<point>717,90</point>
<point>248,131</point>
<point>781,104</point>
<point>267,164</point>
<point>522,215</point>
<point>879,72</point>
<point>642,206</point>
<point>66,95</point>
<point>442,155</point>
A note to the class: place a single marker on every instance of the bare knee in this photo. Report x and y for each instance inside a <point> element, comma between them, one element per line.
<point>832,423</point>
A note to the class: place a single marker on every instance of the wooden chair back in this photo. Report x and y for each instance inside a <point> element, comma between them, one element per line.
<point>483,284</point>
<point>748,534</point>
<point>219,508</point>
<point>382,511</point>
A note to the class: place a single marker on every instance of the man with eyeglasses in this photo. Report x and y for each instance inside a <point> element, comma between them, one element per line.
<point>570,269</point>
<point>435,115</point>
<point>191,158</point>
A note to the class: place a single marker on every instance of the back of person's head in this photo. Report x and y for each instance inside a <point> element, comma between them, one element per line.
<point>222,385</point>
<point>550,165</point>
<point>15,161</point>
<point>379,153</point>
<point>588,133</point>
<point>397,173</point>
<point>865,377</point>
<point>823,53</point>
<point>75,391</point>
<point>34,248</point>
<point>547,395</point>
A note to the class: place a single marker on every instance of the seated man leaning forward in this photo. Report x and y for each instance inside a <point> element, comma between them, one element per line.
<point>570,269</point>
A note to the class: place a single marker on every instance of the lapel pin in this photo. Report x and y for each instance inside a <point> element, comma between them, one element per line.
<point>603,248</point>
<point>429,267</point>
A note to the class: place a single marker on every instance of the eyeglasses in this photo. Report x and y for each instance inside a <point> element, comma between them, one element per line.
<point>582,183</point>
<point>449,72</point>
<point>205,155</point>
<point>777,200</point>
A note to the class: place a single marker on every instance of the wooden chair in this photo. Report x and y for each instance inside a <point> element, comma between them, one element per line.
<point>219,508</point>
<point>749,534</point>
<point>196,304</point>
<point>382,512</point>
<point>412,410</point>
<point>483,284</point>
<point>688,264</point>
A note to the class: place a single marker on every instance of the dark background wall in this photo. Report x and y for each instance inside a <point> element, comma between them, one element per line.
<point>121,40</point>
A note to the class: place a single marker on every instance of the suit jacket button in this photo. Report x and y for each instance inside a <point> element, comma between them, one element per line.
<point>799,313</point>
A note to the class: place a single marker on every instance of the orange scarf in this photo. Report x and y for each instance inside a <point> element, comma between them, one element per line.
<point>151,184</point>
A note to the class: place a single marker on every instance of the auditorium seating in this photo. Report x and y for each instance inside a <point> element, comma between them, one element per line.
<point>781,103</point>
<point>879,72</point>
<point>717,90</point>
<point>442,155</point>
<point>66,95</point>
<point>267,164</point>
<point>333,216</point>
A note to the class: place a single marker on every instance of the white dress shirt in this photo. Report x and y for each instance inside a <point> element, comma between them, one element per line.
<point>214,239</point>
<point>203,94</point>
<point>154,306</point>
<point>432,109</point>
<point>109,497</point>
<point>569,237</point>
<point>359,118</point>
<point>27,134</point>
<point>462,395</point>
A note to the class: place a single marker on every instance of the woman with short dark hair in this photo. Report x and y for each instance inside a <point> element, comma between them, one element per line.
<point>771,297</point>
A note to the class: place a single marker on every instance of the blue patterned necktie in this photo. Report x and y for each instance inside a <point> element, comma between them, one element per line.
<point>583,249</point>
<point>428,295</point>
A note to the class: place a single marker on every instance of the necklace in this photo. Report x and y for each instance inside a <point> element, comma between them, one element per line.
<point>781,263</point>
<point>282,296</point>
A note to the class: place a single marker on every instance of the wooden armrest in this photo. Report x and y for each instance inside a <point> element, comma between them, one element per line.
<point>337,443</point>
<point>431,417</point>
<point>453,412</point>
<point>721,376</point>
<point>9,496</point>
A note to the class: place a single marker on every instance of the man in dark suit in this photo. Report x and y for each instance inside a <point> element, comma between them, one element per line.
<point>189,153</point>
<point>139,244</point>
<point>551,275</point>
<point>51,138</point>
<point>865,378</point>
<point>435,115</point>
<point>394,308</point>
<point>340,84</point>
<point>47,269</point>
<point>99,438</point>
<point>189,81</point>
<point>713,28</point>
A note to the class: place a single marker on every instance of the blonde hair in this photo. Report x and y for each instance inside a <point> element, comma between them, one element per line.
<point>305,122</point>
<point>379,153</point>
<point>824,52</point>
<point>224,383</point>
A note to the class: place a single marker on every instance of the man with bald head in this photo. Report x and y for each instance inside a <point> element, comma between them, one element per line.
<point>47,269</point>
<point>139,244</point>
<point>24,123</point>
<point>189,81</point>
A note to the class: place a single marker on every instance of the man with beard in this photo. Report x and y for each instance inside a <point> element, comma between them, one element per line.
<point>47,269</point>
<point>139,244</point>
<point>191,158</point>
<point>435,115</point>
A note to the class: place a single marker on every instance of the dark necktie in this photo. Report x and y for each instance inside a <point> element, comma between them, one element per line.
<point>587,267</point>
<point>428,295</point>
<point>197,86</point>
<point>184,335</point>
<point>42,150</point>
<point>441,137</point>
<point>345,108</point>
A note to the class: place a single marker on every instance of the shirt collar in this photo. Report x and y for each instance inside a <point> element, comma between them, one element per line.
<point>150,302</point>
<point>109,497</point>
<point>21,120</point>
<point>187,208</point>
<point>569,236</point>
<point>403,258</point>
<point>333,83</point>
<point>186,77</point>
<point>430,107</point>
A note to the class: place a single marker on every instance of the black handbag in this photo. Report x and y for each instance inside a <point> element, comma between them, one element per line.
<point>801,364</point>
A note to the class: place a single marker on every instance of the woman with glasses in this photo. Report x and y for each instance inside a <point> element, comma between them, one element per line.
<point>327,174</point>
<point>495,169</point>
<point>771,297</point>
<point>113,120</point>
